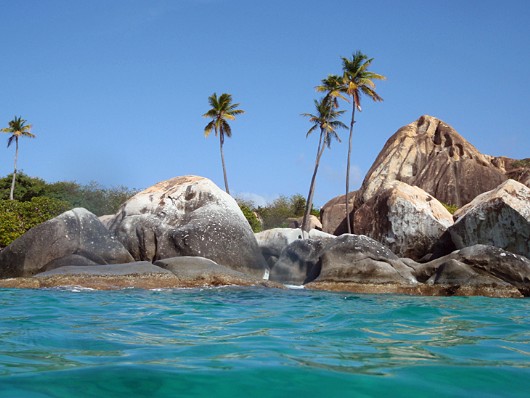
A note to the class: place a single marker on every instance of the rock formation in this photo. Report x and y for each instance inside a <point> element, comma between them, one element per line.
<point>75,237</point>
<point>333,214</point>
<point>188,216</point>
<point>500,218</point>
<point>430,154</point>
<point>405,219</point>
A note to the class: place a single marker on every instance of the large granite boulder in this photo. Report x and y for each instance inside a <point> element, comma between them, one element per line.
<point>333,214</point>
<point>500,217</point>
<point>430,154</point>
<point>272,242</point>
<point>406,219</point>
<point>360,259</point>
<point>188,216</point>
<point>479,270</point>
<point>75,237</point>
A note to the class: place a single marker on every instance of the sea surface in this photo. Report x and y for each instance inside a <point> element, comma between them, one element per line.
<point>257,342</point>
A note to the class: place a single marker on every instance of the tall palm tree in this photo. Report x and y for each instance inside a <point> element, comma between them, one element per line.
<point>358,80</point>
<point>17,128</point>
<point>325,119</point>
<point>221,111</point>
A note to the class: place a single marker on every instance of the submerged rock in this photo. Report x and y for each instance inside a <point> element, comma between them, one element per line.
<point>75,237</point>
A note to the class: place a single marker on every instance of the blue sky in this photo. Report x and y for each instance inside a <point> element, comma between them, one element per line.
<point>115,89</point>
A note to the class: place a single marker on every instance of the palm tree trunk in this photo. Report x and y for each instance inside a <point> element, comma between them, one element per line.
<point>12,193</point>
<point>221,139</point>
<point>309,202</point>
<point>348,218</point>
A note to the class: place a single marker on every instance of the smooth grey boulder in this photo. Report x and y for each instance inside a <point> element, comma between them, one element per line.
<point>478,265</point>
<point>500,217</point>
<point>188,267</point>
<point>188,216</point>
<point>299,262</point>
<point>134,268</point>
<point>360,259</point>
<point>75,237</point>
<point>273,241</point>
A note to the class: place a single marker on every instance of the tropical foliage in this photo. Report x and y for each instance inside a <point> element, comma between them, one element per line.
<point>16,218</point>
<point>221,110</point>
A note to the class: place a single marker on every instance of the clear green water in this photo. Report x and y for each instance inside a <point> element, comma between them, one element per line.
<point>260,343</point>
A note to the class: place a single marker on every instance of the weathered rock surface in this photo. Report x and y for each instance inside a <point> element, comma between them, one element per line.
<point>500,217</point>
<point>299,262</point>
<point>359,259</point>
<point>188,216</point>
<point>273,241</point>
<point>430,154</point>
<point>405,219</point>
<point>333,214</point>
<point>134,268</point>
<point>75,237</point>
<point>200,270</point>
<point>478,267</point>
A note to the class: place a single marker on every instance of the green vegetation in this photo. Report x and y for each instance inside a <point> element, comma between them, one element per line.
<point>325,120</point>
<point>450,208</point>
<point>277,214</point>
<point>221,110</point>
<point>16,217</point>
<point>521,163</point>
<point>40,201</point>
<point>17,128</point>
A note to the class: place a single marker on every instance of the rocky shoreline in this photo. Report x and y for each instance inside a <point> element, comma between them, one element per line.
<point>186,233</point>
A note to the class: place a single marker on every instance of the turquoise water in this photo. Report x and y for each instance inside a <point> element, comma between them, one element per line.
<point>253,342</point>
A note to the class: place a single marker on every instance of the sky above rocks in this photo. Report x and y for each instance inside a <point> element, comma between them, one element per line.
<point>115,90</point>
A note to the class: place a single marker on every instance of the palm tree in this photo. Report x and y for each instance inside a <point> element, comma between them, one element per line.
<point>325,120</point>
<point>358,80</point>
<point>221,111</point>
<point>17,128</point>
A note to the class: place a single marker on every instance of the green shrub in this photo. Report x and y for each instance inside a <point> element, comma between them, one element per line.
<point>521,163</point>
<point>16,218</point>
<point>251,217</point>
<point>450,208</point>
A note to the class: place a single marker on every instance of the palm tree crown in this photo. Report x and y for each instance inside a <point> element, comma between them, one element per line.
<point>334,87</point>
<point>358,79</point>
<point>221,110</point>
<point>17,128</point>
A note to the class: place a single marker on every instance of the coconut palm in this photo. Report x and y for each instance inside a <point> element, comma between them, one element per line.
<point>221,111</point>
<point>325,119</point>
<point>334,87</point>
<point>358,80</point>
<point>17,128</point>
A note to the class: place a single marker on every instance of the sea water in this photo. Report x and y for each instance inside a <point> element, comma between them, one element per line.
<point>257,342</point>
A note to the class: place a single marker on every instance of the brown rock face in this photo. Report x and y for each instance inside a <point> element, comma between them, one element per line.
<point>333,214</point>
<point>430,154</point>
